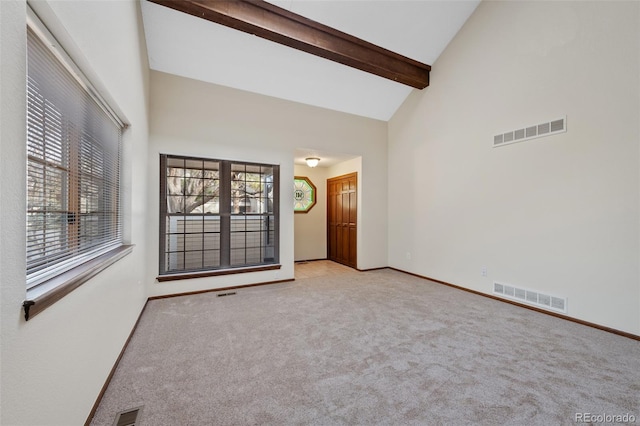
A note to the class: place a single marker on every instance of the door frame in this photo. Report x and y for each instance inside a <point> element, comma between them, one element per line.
<point>352,233</point>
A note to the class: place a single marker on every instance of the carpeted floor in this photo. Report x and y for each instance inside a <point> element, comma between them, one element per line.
<point>362,348</point>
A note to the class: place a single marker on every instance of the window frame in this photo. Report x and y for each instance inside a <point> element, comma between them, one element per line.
<point>60,280</point>
<point>225,214</point>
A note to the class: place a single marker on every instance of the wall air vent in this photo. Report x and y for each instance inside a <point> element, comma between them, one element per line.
<point>531,132</point>
<point>530,297</point>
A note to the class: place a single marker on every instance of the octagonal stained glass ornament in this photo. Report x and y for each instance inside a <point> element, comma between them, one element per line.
<point>304,194</point>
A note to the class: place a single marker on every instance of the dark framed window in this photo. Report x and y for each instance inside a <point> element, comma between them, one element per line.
<point>217,214</point>
<point>74,146</point>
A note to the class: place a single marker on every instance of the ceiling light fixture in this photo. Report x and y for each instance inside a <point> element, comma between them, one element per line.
<point>312,161</point>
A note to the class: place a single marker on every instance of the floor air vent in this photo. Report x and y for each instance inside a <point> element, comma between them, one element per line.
<point>226,294</point>
<point>531,132</point>
<point>540,300</point>
<point>129,417</point>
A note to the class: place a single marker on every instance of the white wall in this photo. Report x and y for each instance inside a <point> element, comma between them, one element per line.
<point>310,229</point>
<point>557,214</point>
<point>189,117</point>
<point>54,365</point>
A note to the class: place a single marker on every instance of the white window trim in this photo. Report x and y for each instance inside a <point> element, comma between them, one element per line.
<point>37,26</point>
<point>48,288</point>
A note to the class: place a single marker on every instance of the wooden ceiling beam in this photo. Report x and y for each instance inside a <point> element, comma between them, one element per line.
<point>281,26</point>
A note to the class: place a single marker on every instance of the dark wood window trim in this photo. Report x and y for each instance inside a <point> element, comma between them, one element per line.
<point>47,293</point>
<point>217,272</point>
<point>225,215</point>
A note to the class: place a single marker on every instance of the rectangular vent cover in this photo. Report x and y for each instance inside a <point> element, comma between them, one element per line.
<point>130,417</point>
<point>530,297</point>
<point>531,132</point>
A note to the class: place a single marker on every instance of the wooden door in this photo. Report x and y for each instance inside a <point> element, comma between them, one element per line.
<point>342,211</point>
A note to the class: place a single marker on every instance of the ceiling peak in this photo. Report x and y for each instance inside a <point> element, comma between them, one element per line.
<point>279,25</point>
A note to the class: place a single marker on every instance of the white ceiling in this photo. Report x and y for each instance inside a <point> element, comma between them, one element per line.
<point>191,47</point>
<point>327,158</point>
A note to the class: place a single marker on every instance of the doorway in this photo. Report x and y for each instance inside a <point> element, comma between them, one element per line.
<point>342,211</point>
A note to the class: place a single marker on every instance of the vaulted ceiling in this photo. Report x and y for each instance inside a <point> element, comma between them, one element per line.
<point>188,46</point>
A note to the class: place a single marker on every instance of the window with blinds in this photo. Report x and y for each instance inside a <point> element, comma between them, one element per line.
<point>73,168</point>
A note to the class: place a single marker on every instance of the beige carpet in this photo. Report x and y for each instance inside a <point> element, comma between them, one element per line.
<point>361,348</point>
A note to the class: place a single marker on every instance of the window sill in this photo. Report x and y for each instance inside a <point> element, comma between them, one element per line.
<point>230,271</point>
<point>47,293</point>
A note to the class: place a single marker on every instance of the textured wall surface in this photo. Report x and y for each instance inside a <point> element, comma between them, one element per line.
<point>557,214</point>
<point>54,365</point>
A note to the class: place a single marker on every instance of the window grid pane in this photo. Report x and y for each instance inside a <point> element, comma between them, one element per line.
<point>196,237</point>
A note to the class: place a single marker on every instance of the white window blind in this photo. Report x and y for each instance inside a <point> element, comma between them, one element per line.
<point>73,169</point>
